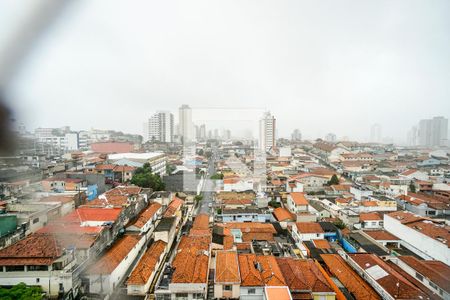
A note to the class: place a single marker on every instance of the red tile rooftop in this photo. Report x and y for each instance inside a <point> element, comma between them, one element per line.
<point>84,214</point>
<point>147,264</point>
<point>381,235</point>
<point>146,215</point>
<point>227,267</point>
<point>371,216</point>
<point>391,281</point>
<point>299,198</point>
<point>35,249</point>
<point>282,214</point>
<point>114,255</point>
<point>309,227</point>
<point>349,278</point>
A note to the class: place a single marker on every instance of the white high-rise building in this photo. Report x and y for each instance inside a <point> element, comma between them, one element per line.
<point>433,132</point>
<point>296,135</point>
<point>267,128</point>
<point>202,133</point>
<point>159,127</point>
<point>330,137</point>
<point>411,138</point>
<point>186,127</point>
<point>375,133</point>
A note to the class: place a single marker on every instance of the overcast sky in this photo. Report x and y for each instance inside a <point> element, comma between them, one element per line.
<point>320,66</point>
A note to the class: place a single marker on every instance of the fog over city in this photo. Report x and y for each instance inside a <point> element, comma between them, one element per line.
<point>321,67</point>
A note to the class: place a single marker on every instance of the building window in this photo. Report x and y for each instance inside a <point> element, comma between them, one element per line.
<point>418,276</point>
<point>37,268</point>
<point>181,296</point>
<point>15,268</point>
<point>197,296</point>
<point>37,280</point>
<point>227,287</point>
<point>35,220</point>
<point>251,291</point>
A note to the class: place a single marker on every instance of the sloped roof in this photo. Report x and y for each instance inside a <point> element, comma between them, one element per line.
<point>146,215</point>
<point>227,267</point>
<point>114,255</point>
<point>147,264</point>
<point>299,198</point>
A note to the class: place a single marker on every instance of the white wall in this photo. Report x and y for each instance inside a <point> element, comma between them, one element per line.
<point>421,244</point>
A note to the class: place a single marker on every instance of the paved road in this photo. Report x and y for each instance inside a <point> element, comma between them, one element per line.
<point>208,187</point>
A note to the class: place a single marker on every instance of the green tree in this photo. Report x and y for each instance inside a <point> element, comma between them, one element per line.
<point>144,177</point>
<point>217,176</point>
<point>412,187</point>
<point>274,204</point>
<point>334,180</point>
<point>21,292</point>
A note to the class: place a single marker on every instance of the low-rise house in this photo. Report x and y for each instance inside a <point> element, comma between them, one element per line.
<point>413,174</point>
<point>297,203</point>
<point>305,279</point>
<point>371,220</point>
<point>54,184</point>
<point>144,273</point>
<point>283,216</point>
<point>39,260</point>
<point>249,214</point>
<point>387,282</point>
<point>343,273</point>
<point>424,205</point>
<point>166,230</point>
<point>307,231</point>
<point>433,274</point>
<point>227,279</point>
<point>105,275</point>
<point>425,237</point>
<point>145,222</point>
<point>258,271</point>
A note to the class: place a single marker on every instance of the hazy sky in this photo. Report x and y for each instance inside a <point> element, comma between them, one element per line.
<point>320,66</point>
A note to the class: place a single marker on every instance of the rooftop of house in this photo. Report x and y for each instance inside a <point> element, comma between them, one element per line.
<point>282,214</point>
<point>309,227</point>
<point>191,261</point>
<point>436,271</point>
<point>349,278</point>
<point>299,198</point>
<point>381,235</point>
<point>94,214</point>
<point>201,222</point>
<point>36,249</point>
<point>173,206</point>
<point>147,264</point>
<point>260,270</point>
<point>227,267</point>
<point>390,280</point>
<point>370,216</point>
<point>109,261</point>
<point>124,190</point>
<point>303,275</point>
<point>146,215</point>
<point>277,293</point>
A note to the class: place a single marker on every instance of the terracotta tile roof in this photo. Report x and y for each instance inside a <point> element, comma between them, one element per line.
<point>191,260</point>
<point>57,198</point>
<point>299,198</point>
<point>227,267</point>
<point>35,249</point>
<point>235,195</point>
<point>439,232</point>
<point>392,281</point>
<point>108,200</point>
<point>250,275</point>
<point>321,244</point>
<point>270,271</point>
<point>124,169</point>
<point>277,293</point>
<point>381,235</point>
<point>405,217</point>
<point>438,272</point>
<point>114,255</point>
<point>147,264</point>
<point>104,167</point>
<point>309,227</point>
<point>282,214</point>
<point>247,227</point>
<point>201,222</point>
<point>85,213</point>
<point>146,215</point>
<point>369,203</point>
<point>125,190</point>
<point>370,216</point>
<point>349,278</point>
<point>173,206</point>
<point>303,275</point>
